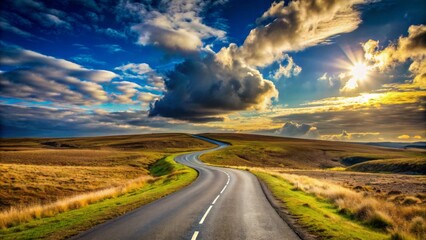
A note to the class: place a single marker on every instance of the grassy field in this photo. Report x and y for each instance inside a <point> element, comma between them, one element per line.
<point>317,184</point>
<point>267,151</point>
<point>39,171</point>
<point>170,177</point>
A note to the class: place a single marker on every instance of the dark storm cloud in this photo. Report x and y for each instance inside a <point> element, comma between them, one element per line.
<point>202,90</point>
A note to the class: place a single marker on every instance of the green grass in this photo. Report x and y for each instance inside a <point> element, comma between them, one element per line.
<point>170,179</point>
<point>318,216</point>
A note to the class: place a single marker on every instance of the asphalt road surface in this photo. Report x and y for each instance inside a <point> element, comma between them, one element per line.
<point>221,204</point>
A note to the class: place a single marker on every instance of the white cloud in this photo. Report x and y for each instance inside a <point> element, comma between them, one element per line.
<point>38,77</point>
<point>412,47</point>
<point>326,78</point>
<point>179,28</point>
<point>144,72</point>
<point>291,69</point>
<point>353,136</point>
<point>294,27</point>
<point>135,68</point>
<point>128,91</point>
<point>293,129</point>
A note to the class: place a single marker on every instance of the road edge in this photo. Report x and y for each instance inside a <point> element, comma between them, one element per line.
<point>282,211</point>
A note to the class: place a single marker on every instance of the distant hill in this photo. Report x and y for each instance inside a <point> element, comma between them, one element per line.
<point>421,145</point>
<point>271,151</point>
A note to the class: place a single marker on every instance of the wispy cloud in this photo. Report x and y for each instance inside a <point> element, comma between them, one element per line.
<point>38,77</point>
<point>111,48</point>
<point>87,59</point>
<point>144,72</point>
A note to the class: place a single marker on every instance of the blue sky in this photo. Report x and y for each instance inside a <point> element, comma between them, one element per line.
<point>335,70</point>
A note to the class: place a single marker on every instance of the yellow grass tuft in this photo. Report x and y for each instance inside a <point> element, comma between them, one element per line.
<point>17,215</point>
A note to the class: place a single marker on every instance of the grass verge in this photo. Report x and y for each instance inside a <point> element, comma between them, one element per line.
<point>320,217</point>
<point>69,223</point>
<point>331,211</point>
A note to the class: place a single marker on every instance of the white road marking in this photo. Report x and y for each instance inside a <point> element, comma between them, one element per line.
<point>195,235</point>
<point>205,214</point>
<point>223,188</point>
<point>215,199</point>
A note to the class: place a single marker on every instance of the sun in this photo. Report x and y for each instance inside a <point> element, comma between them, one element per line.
<point>359,71</point>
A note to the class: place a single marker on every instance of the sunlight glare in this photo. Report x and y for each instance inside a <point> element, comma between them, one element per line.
<point>359,71</point>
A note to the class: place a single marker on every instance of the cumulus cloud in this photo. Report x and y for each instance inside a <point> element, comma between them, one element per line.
<point>291,69</point>
<point>205,89</point>
<point>177,28</point>
<point>412,47</point>
<point>202,90</point>
<point>34,76</point>
<point>293,129</point>
<point>296,26</point>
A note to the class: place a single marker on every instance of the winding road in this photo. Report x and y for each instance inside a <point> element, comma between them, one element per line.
<point>221,203</point>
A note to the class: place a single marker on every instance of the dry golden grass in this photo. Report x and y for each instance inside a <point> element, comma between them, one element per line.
<point>396,188</point>
<point>28,184</point>
<point>17,215</point>
<point>75,157</point>
<point>39,170</point>
<point>408,221</point>
<point>166,142</point>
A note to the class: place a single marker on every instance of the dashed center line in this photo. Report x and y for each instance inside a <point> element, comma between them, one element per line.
<point>205,214</point>
<point>223,189</point>
<point>215,199</point>
<point>195,235</point>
